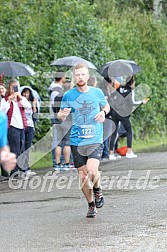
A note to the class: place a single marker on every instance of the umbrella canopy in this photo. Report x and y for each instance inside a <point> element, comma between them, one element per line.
<point>119,68</point>
<point>14,69</point>
<point>134,65</point>
<point>71,61</point>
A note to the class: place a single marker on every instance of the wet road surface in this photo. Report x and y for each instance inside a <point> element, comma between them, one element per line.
<point>47,212</point>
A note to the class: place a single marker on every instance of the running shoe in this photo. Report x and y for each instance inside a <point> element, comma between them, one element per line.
<point>57,167</point>
<point>65,167</point>
<point>99,199</point>
<point>92,211</point>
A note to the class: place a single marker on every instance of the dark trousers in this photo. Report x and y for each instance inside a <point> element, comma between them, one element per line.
<point>16,141</point>
<point>105,153</point>
<point>127,125</point>
<point>53,144</point>
<point>107,131</point>
<point>29,135</point>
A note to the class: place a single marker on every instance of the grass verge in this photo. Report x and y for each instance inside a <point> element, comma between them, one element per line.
<point>157,144</point>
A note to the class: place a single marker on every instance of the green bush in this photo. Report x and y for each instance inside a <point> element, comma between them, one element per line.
<point>138,36</point>
<point>36,32</point>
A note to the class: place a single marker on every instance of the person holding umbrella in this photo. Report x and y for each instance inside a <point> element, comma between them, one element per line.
<point>88,107</point>
<point>122,102</point>
<point>122,98</point>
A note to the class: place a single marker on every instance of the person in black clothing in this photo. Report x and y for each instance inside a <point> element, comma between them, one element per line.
<point>122,102</point>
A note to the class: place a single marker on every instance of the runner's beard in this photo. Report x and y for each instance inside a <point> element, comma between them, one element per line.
<point>81,84</point>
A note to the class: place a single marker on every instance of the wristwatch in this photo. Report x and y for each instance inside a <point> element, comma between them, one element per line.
<point>104,112</point>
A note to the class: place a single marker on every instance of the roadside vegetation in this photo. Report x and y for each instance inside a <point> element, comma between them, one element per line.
<point>38,31</point>
<point>151,145</point>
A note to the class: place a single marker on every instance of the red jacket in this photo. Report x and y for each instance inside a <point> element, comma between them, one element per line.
<point>10,112</point>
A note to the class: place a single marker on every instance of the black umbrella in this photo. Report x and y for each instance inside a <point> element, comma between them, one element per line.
<point>14,69</point>
<point>71,61</point>
<point>119,68</point>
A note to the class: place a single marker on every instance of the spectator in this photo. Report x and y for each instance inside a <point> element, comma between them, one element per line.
<point>3,90</point>
<point>67,85</point>
<point>7,159</point>
<point>92,81</point>
<point>107,125</point>
<point>13,105</point>
<point>56,84</point>
<point>121,110</point>
<point>60,131</point>
<point>2,94</point>
<point>30,129</point>
<point>63,149</point>
<point>36,104</point>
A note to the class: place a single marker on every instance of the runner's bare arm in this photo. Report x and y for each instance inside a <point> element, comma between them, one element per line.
<point>62,114</point>
<point>100,117</point>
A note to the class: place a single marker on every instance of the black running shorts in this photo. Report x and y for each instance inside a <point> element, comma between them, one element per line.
<point>82,153</point>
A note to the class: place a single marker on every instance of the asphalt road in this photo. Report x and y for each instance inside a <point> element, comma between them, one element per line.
<point>44,214</point>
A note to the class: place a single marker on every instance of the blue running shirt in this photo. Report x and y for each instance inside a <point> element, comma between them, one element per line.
<point>85,105</point>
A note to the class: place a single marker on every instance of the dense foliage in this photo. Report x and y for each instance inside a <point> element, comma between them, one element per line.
<point>37,31</point>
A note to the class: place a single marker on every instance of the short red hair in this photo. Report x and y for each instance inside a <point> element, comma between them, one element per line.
<point>80,65</point>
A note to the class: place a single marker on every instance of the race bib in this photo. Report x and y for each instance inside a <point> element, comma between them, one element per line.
<point>86,131</point>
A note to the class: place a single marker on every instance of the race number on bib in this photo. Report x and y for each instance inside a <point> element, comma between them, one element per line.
<point>86,131</point>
